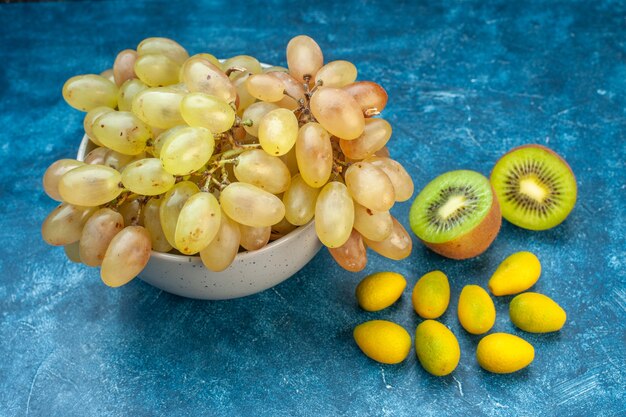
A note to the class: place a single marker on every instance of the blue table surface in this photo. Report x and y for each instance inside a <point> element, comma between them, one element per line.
<point>467,81</point>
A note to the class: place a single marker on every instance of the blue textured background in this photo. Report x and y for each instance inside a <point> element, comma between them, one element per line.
<point>466,81</point>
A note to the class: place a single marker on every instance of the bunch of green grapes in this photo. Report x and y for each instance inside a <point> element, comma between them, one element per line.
<point>202,156</point>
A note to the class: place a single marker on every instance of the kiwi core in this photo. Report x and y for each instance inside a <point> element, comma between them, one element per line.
<point>454,204</point>
<point>534,188</point>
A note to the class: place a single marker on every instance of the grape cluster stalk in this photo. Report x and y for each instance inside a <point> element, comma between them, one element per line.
<point>195,155</point>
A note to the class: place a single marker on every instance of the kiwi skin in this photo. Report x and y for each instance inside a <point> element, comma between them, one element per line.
<point>477,240</point>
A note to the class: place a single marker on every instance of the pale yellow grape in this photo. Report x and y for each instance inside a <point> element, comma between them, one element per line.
<point>245,99</point>
<point>401,180</point>
<point>314,153</point>
<point>85,92</point>
<point>275,68</point>
<point>147,177</point>
<point>221,252</point>
<point>127,255</point>
<point>156,70</point>
<point>159,106</point>
<point>118,160</point>
<point>299,201</point>
<point>64,224</point>
<point>375,136</point>
<point>198,223</point>
<point>71,251</point>
<point>122,131</point>
<point>209,57</point>
<point>265,87</point>
<point>370,186</point>
<point>338,113</point>
<point>291,161</point>
<point>90,185</point>
<point>97,156</point>
<point>304,57</point>
<point>160,140</point>
<point>127,93</point>
<point>90,117</point>
<point>124,66</point>
<point>249,205</point>
<point>97,233</point>
<point>281,228</point>
<point>130,211</point>
<point>53,175</point>
<point>396,246</point>
<point>255,113</point>
<point>294,91</point>
<point>254,238</point>
<point>164,46</point>
<point>278,131</point>
<point>373,225</point>
<point>247,62</point>
<point>173,202</point>
<point>108,74</point>
<point>151,219</point>
<point>334,214</point>
<point>205,110</point>
<point>265,171</point>
<point>336,74</point>
<point>187,150</point>
<point>200,75</point>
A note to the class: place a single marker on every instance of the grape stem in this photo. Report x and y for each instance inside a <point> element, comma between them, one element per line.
<point>234,69</point>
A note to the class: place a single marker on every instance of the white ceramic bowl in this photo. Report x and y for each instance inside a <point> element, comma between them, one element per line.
<point>250,272</point>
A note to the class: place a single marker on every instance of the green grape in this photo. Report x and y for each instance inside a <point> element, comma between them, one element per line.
<point>90,185</point>
<point>299,201</point>
<point>249,205</point>
<point>205,110</point>
<point>254,238</point>
<point>278,131</point>
<point>71,251</point>
<point>334,214</point>
<point>401,180</point>
<point>130,210</point>
<point>370,186</point>
<point>97,233</point>
<point>245,99</point>
<point>64,224</point>
<point>122,131</point>
<point>249,63</point>
<point>147,177</point>
<point>352,255</point>
<point>265,87</point>
<point>159,106</point>
<point>90,117</point>
<point>127,255</point>
<point>396,246</point>
<point>304,57</point>
<point>198,223</point>
<point>373,225</point>
<point>338,113</point>
<point>173,202</point>
<point>127,93</point>
<point>267,172</point>
<point>375,136</point>
<point>156,70</point>
<point>221,252</point>
<point>160,140</point>
<point>53,175</point>
<point>336,74</point>
<point>124,67</point>
<point>151,219</point>
<point>200,75</point>
<point>97,156</point>
<point>86,92</point>
<point>187,150</point>
<point>172,49</point>
<point>368,95</point>
<point>255,113</point>
<point>314,154</point>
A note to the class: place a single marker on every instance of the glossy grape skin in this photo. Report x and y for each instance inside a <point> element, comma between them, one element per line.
<point>53,174</point>
<point>314,154</point>
<point>86,92</point>
<point>352,255</point>
<point>265,87</point>
<point>299,201</point>
<point>186,150</point>
<point>401,180</point>
<point>337,112</point>
<point>247,62</point>
<point>163,137</point>
<point>221,252</point>
<point>373,225</point>
<point>64,224</point>
<point>108,74</point>
<point>294,90</point>
<point>89,119</point>
<point>397,246</point>
<point>97,234</point>
<point>122,131</point>
<point>90,185</point>
<point>368,95</point>
<point>336,74</point>
<point>72,253</point>
<point>198,223</point>
<point>278,131</point>
<point>265,171</point>
<point>200,75</point>
<point>165,46</point>
<point>151,220</point>
<point>118,160</point>
<point>254,238</point>
<point>255,113</point>
<point>157,70</point>
<point>245,98</point>
<point>124,66</point>
<point>251,206</point>
<point>376,134</point>
<point>159,106</point>
<point>370,186</point>
<point>147,177</point>
<point>334,214</point>
<point>127,93</point>
<point>126,256</point>
<point>304,57</point>
<point>97,156</point>
<point>208,111</point>
<point>172,204</point>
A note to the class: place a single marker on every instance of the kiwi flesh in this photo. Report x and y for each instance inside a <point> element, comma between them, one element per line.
<point>457,214</point>
<point>535,186</point>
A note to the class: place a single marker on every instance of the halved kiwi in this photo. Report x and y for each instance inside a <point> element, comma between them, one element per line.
<point>457,214</point>
<point>535,186</point>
